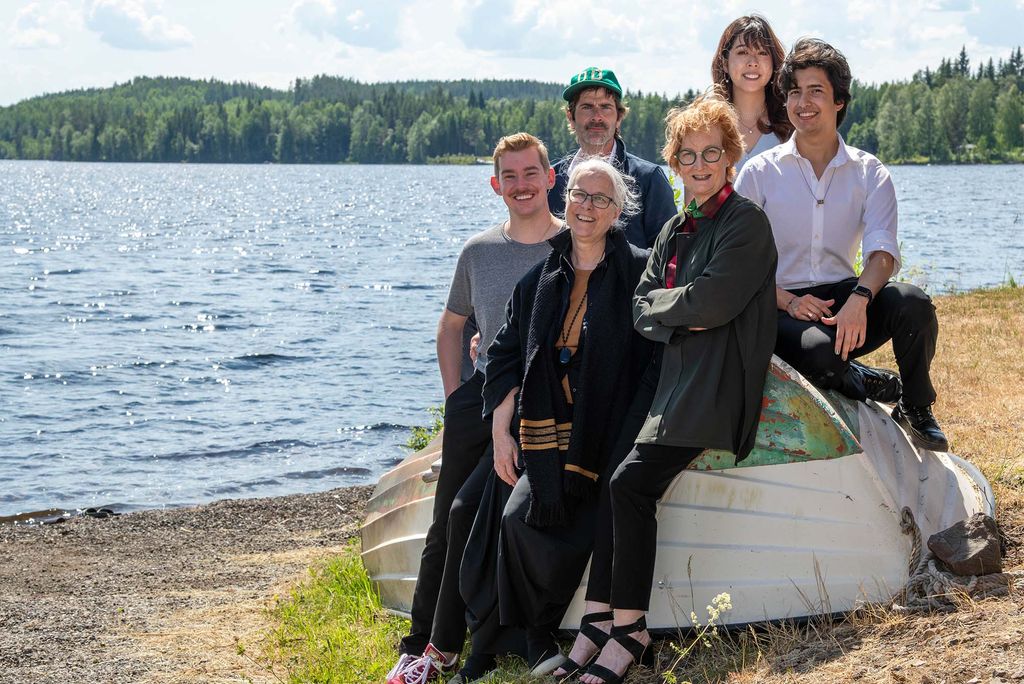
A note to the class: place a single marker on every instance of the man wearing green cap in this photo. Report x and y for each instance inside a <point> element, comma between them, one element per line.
<point>595,112</point>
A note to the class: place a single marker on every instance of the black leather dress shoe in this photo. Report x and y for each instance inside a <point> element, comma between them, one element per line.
<point>921,425</point>
<point>862,382</point>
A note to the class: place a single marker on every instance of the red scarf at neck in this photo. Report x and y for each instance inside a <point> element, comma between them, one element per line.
<point>689,226</point>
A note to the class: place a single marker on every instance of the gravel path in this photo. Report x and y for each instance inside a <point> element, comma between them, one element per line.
<point>162,595</point>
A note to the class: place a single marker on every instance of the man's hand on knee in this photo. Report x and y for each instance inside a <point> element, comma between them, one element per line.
<point>809,308</point>
<point>851,326</point>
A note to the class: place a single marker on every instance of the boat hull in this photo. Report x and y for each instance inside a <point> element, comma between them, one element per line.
<point>815,535</point>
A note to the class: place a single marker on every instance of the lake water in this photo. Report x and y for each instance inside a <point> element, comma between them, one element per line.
<point>174,334</point>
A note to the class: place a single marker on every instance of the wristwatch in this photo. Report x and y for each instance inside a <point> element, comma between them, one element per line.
<point>863,292</point>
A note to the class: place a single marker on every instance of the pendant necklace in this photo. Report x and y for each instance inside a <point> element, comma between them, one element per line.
<point>565,355</point>
<point>757,120</point>
<point>555,226</point>
<point>811,190</point>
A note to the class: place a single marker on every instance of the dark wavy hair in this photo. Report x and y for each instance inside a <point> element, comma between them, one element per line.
<point>813,52</point>
<point>755,31</point>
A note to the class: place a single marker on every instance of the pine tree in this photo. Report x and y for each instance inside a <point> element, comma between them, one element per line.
<point>963,65</point>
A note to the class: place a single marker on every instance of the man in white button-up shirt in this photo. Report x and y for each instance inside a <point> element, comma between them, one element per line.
<point>824,200</point>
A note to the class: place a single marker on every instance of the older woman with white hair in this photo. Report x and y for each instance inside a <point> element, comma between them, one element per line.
<point>569,352</point>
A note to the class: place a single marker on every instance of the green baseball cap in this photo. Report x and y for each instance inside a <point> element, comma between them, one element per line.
<point>592,77</point>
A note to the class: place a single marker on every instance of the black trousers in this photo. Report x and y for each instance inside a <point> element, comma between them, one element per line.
<point>639,481</point>
<point>599,581</point>
<point>479,581</point>
<point>438,612</point>
<point>900,312</point>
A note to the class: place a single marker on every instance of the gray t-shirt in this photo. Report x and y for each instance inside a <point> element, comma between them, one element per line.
<point>490,265</point>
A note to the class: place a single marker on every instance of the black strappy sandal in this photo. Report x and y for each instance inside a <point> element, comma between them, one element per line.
<point>640,651</point>
<point>596,636</point>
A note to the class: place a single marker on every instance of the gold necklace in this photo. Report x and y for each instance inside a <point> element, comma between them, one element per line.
<point>757,120</point>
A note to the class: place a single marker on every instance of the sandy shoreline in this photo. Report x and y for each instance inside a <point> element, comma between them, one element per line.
<point>159,595</point>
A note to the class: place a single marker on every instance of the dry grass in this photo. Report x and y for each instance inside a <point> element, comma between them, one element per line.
<point>979,376</point>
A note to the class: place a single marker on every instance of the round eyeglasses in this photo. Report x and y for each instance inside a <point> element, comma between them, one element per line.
<point>599,201</point>
<point>689,157</point>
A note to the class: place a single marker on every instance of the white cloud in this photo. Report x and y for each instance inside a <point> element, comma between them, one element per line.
<point>652,45</point>
<point>362,24</point>
<point>39,25</point>
<point>135,25</point>
<point>950,5</point>
<point>532,28</point>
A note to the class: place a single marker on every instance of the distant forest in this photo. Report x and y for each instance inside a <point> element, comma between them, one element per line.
<point>953,113</point>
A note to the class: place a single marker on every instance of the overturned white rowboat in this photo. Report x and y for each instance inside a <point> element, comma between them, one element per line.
<point>808,524</point>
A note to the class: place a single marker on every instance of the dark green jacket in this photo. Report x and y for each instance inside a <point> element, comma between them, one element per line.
<point>709,391</point>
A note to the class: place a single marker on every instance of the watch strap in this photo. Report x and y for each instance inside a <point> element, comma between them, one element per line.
<point>864,292</point>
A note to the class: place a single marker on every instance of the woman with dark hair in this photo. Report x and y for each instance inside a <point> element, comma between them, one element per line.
<point>746,67</point>
<point>708,297</point>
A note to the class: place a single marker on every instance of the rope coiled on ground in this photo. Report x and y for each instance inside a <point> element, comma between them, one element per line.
<point>931,588</point>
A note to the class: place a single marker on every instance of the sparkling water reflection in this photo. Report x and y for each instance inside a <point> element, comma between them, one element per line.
<point>174,334</point>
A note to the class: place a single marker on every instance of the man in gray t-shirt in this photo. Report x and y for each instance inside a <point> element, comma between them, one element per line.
<point>490,265</point>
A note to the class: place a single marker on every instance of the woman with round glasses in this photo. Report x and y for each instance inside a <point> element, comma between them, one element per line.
<point>707,297</point>
<point>569,352</point>
<point>745,67</point>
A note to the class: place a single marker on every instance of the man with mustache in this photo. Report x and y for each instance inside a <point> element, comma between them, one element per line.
<point>824,200</point>
<point>595,112</point>
<point>488,268</point>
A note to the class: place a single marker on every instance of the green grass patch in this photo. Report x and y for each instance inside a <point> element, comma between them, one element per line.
<point>421,435</point>
<point>333,628</point>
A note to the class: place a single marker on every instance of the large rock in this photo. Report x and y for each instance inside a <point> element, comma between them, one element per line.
<point>970,547</point>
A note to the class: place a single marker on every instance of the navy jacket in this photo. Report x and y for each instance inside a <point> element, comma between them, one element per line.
<point>657,200</point>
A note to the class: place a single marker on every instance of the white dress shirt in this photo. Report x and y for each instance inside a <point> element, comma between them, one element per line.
<point>819,222</point>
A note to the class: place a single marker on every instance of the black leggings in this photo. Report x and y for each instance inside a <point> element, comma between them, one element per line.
<point>639,481</point>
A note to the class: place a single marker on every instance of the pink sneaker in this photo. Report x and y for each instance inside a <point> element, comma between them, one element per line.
<point>421,670</point>
<point>395,676</point>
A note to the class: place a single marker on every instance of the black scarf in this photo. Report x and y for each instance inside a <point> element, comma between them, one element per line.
<point>565,447</point>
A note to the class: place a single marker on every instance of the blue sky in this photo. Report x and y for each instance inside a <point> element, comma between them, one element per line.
<point>653,45</point>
